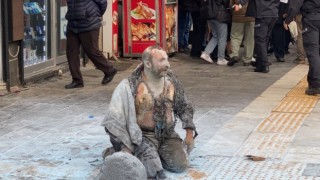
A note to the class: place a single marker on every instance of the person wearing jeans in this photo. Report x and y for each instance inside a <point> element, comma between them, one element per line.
<point>219,37</point>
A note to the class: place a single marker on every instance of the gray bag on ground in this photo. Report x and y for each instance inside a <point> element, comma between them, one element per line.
<point>122,166</point>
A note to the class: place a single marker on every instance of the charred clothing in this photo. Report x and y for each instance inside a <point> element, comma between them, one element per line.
<point>145,124</point>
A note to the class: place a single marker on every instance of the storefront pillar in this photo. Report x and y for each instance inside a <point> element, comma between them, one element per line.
<point>2,84</point>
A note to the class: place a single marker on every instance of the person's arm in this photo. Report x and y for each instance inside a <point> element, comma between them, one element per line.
<point>237,4</point>
<point>293,10</point>
<point>102,6</point>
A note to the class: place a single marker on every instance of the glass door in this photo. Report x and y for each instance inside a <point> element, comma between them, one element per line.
<point>35,42</point>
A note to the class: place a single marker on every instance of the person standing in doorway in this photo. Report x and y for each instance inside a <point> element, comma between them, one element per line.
<point>84,22</point>
<point>310,10</point>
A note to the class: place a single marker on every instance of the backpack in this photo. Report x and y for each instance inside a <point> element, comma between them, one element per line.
<point>208,9</point>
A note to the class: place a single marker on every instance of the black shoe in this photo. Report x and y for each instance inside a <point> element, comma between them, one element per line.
<point>253,63</point>
<point>108,78</point>
<point>280,60</point>
<point>263,69</point>
<point>246,63</point>
<point>73,85</point>
<point>313,91</point>
<point>233,60</point>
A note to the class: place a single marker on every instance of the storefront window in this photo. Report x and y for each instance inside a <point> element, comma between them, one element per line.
<point>36,40</point>
<point>62,27</point>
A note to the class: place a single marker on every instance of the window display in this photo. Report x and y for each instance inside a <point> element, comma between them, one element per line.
<point>35,41</point>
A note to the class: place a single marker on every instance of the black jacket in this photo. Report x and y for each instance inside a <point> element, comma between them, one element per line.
<point>85,15</point>
<point>304,6</point>
<point>190,5</point>
<point>262,8</point>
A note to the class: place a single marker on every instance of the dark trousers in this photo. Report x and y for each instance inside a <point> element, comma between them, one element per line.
<point>262,31</point>
<point>89,42</point>
<point>199,30</point>
<point>311,39</point>
<point>279,40</point>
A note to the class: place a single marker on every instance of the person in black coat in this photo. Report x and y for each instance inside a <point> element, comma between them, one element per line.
<point>265,13</point>
<point>310,10</point>
<point>84,22</point>
<point>199,26</point>
<point>280,37</point>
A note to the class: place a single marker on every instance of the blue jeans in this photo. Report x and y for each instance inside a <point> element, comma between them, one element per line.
<point>184,25</point>
<point>219,37</point>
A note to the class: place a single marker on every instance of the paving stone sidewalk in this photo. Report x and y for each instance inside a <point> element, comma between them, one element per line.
<point>48,132</point>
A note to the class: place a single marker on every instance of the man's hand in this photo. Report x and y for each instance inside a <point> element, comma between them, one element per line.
<point>188,141</point>
<point>236,7</point>
<point>285,25</point>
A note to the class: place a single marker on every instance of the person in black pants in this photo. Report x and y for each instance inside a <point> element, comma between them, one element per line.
<point>310,10</point>
<point>265,13</point>
<point>279,35</point>
<point>84,22</point>
<point>199,26</point>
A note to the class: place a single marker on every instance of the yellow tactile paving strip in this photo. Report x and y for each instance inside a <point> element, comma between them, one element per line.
<point>274,134</point>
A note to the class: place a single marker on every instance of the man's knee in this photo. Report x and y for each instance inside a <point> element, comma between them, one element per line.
<point>174,157</point>
<point>178,163</point>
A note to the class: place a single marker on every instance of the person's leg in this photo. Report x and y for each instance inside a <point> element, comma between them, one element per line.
<point>187,30</point>
<point>262,32</point>
<point>173,155</point>
<point>89,42</point>
<point>237,31</point>
<point>248,42</point>
<point>278,41</point>
<point>301,55</point>
<point>147,153</point>
<point>73,52</point>
<point>222,31</point>
<point>214,39</point>
<point>182,20</point>
<point>311,45</point>
<point>199,29</point>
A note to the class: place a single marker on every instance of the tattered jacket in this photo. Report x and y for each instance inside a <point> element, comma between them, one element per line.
<point>121,120</point>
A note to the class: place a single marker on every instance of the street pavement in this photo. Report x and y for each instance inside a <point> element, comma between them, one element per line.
<point>48,132</point>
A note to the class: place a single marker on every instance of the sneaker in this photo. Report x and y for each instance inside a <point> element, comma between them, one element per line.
<point>222,61</point>
<point>206,57</point>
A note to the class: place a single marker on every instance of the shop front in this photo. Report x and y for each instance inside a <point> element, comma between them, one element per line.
<point>44,43</point>
<point>133,25</point>
<point>40,46</point>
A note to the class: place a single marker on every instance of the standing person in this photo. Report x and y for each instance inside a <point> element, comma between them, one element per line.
<point>219,30</point>
<point>143,113</point>
<point>198,26</point>
<point>310,10</point>
<point>242,27</point>
<point>265,13</point>
<point>84,22</point>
